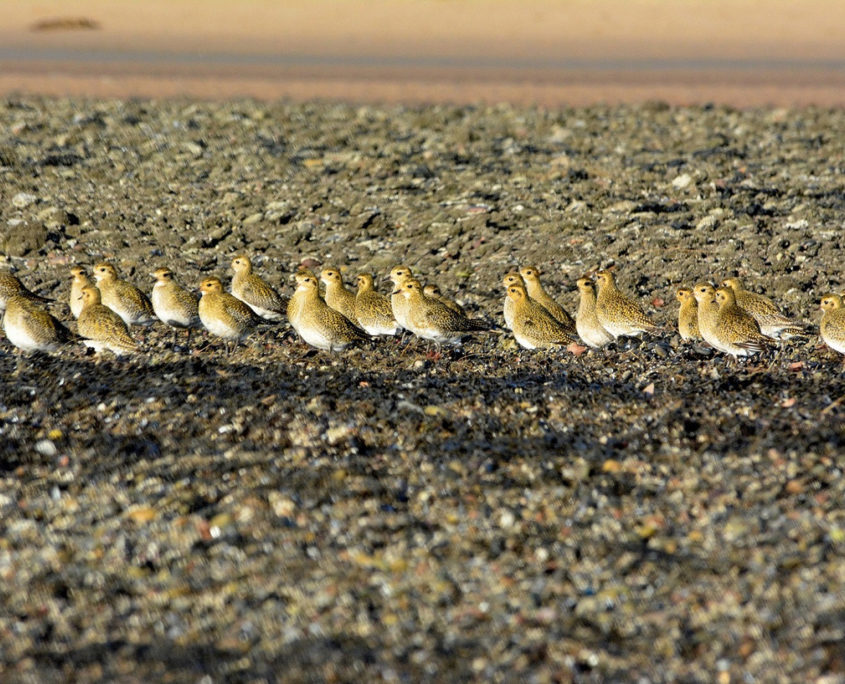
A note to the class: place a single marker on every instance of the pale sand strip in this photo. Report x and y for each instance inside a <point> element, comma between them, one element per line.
<point>523,51</point>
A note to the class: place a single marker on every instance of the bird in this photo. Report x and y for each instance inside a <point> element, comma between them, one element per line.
<point>31,328</point>
<point>708,314</point>
<point>398,301</point>
<point>771,320</point>
<point>687,315</point>
<point>533,326</point>
<point>531,277</point>
<point>372,310</point>
<point>737,331</point>
<point>620,315</point>
<point>295,303</point>
<point>224,315</point>
<point>101,327</point>
<point>11,285</point>
<point>510,278</point>
<point>122,297</point>
<point>337,296</point>
<point>832,326</point>
<point>316,322</point>
<point>173,304</point>
<point>80,280</point>
<point>432,291</point>
<point>586,320</point>
<point>432,320</point>
<point>255,292</point>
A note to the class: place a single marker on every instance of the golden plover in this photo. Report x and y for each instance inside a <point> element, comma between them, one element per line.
<point>433,320</point>
<point>771,320</point>
<point>255,292</point>
<point>533,326</point>
<point>687,315</point>
<point>317,323</point>
<point>173,304</point>
<point>126,300</point>
<point>31,328</point>
<point>531,277</point>
<point>11,285</point>
<point>101,327</point>
<point>708,313</point>
<point>510,278</point>
<point>224,315</point>
<point>586,320</point>
<point>337,296</point>
<point>737,331</point>
<point>398,301</point>
<point>832,326</point>
<point>372,310</point>
<point>620,315</point>
<point>295,303</point>
<point>80,280</point>
<point>433,292</point>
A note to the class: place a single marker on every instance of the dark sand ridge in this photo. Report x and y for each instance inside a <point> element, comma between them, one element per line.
<point>542,52</point>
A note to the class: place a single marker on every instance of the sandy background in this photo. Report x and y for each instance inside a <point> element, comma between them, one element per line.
<point>551,53</point>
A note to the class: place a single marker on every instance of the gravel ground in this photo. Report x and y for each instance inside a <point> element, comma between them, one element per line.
<point>644,512</point>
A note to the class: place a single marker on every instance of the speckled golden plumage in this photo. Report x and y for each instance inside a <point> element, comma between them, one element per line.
<point>11,285</point>
<point>586,319</point>
<point>433,292</point>
<point>510,278</point>
<point>771,320</point>
<point>432,320</point>
<point>737,331</point>
<point>31,328</point>
<point>255,292</point>
<point>223,314</point>
<point>316,322</point>
<point>619,314</point>
<point>372,309</point>
<point>102,327</point>
<point>832,326</point>
<point>295,303</point>
<point>126,300</point>
<point>687,315</point>
<point>708,313</point>
<point>531,278</point>
<point>337,296</point>
<point>172,303</point>
<point>80,280</point>
<point>398,302</point>
<point>533,326</point>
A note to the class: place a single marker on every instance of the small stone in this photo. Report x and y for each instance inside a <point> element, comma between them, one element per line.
<point>283,506</point>
<point>46,447</point>
<point>506,519</point>
<point>23,200</point>
<point>337,434</point>
<point>142,514</point>
<point>682,181</point>
<point>707,223</point>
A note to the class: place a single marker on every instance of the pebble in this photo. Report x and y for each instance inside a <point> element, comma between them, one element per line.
<point>23,199</point>
<point>46,448</point>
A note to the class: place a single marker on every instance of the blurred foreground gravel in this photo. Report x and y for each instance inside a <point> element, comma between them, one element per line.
<point>646,512</point>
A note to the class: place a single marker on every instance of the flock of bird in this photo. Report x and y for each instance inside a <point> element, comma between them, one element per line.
<point>728,318</point>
